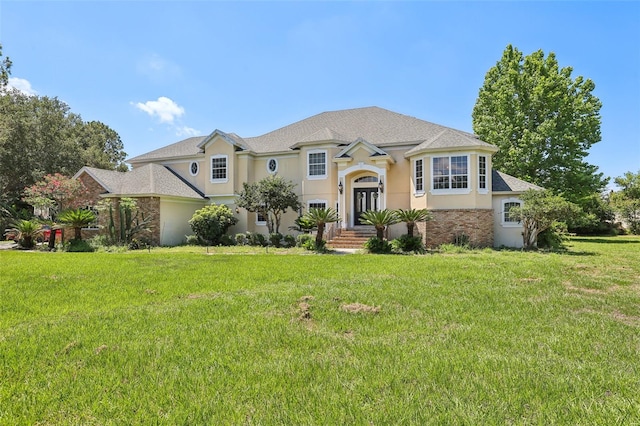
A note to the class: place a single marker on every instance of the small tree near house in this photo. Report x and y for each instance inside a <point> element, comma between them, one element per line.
<point>539,212</point>
<point>320,218</point>
<point>271,197</point>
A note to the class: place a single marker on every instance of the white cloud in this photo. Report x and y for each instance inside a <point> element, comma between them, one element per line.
<point>164,108</point>
<point>22,85</point>
<point>187,132</point>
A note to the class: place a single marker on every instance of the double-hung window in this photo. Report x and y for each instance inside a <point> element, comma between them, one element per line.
<point>482,173</point>
<point>419,175</point>
<point>450,174</point>
<point>317,164</point>
<point>317,204</point>
<point>219,169</point>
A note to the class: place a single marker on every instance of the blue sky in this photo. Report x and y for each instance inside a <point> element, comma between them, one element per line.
<point>160,71</point>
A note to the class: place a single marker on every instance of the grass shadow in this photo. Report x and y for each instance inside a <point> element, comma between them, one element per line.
<point>607,240</point>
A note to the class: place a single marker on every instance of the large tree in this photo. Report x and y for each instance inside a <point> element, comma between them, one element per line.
<point>271,197</point>
<point>626,201</point>
<point>544,122</point>
<point>5,70</point>
<point>40,136</point>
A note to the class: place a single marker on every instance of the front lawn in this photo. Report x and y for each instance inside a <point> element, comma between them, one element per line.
<point>176,337</point>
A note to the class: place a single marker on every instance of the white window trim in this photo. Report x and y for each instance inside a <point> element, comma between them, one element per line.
<point>271,172</point>
<point>502,213</point>
<point>191,165</point>
<point>326,164</point>
<point>415,177</point>
<point>450,191</point>
<point>260,222</point>
<point>484,190</point>
<point>225,180</point>
<point>318,201</point>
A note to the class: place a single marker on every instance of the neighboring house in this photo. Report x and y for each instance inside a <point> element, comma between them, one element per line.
<point>352,160</point>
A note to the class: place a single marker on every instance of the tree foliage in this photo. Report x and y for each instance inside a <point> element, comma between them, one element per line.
<point>380,219</point>
<point>56,193</point>
<point>77,219</point>
<point>25,232</point>
<point>626,201</point>
<point>271,197</point>
<point>543,121</point>
<point>40,135</point>
<point>541,209</point>
<point>412,216</point>
<point>5,70</point>
<point>320,218</point>
<point>211,222</point>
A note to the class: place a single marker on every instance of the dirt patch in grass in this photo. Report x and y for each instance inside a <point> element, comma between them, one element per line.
<point>356,308</point>
<point>304,310</point>
<point>571,287</point>
<point>202,296</point>
<point>626,319</point>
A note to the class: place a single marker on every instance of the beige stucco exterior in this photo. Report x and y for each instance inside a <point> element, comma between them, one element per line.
<point>367,164</point>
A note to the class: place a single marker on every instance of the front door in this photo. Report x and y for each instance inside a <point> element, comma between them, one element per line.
<point>364,199</point>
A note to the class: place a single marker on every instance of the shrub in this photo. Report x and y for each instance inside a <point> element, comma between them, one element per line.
<point>256,239</point>
<point>227,240</point>
<point>453,248</point>
<point>78,246</point>
<point>312,245</point>
<point>193,240</point>
<point>137,244</point>
<point>407,243</point>
<point>461,240</point>
<point>553,237</point>
<point>211,222</point>
<point>275,238</point>
<point>378,246</point>
<point>289,241</point>
<point>241,239</point>
<point>302,239</point>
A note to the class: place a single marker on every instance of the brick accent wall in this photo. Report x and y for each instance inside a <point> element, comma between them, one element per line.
<point>149,206</point>
<point>446,224</point>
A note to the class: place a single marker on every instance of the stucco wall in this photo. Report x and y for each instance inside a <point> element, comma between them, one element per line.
<point>174,221</point>
<point>507,235</point>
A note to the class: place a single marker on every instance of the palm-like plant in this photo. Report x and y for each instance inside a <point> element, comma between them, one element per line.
<point>77,219</point>
<point>25,231</point>
<point>411,217</point>
<point>380,219</point>
<point>320,217</point>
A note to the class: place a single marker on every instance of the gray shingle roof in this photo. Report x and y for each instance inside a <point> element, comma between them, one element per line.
<point>184,148</point>
<point>449,138</point>
<point>378,126</point>
<point>150,179</point>
<point>502,182</point>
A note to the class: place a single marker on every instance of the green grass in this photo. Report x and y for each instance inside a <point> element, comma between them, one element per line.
<point>179,336</point>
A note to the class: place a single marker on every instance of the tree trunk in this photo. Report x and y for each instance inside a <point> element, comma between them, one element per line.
<point>78,233</point>
<point>380,232</point>
<point>410,226</point>
<point>319,234</point>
